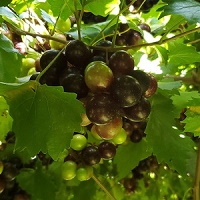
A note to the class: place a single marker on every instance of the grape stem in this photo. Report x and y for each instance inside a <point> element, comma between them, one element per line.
<point>159,42</point>
<point>98,182</point>
<point>49,65</point>
<point>197,175</point>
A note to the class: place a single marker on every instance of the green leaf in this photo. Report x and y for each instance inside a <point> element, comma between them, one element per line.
<point>165,138</point>
<point>168,84</point>
<point>9,67</point>
<point>5,119</point>
<point>128,157</point>
<point>44,118</point>
<point>190,9</point>
<point>182,100</point>
<point>102,7</point>
<point>37,183</point>
<point>9,15</point>
<point>181,54</point>
<point>5,2</point>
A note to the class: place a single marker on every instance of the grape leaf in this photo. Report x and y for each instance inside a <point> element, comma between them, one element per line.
<point>5,119</point>
<point>192,123</point>
<point>164,138</point>
<point>168,84</point>
<point>37,183</point>
<point>128,157</point>
<point>9,67</point>
<point>5,2</point>
<point>103,7</point>
<point>190,9</point>
<point>181,54</point>
<point>44,118</point>
<point>182,100</point>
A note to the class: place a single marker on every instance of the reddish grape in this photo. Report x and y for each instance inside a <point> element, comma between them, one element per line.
<point>152,87</point>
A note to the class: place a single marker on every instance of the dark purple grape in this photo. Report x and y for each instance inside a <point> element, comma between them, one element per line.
<point>91,156</point>
<point>107,150</point>
<point>126,91</point>
<point>10,171</point>
<point>136,136</point>
<point>74,83</point>
<point>78,53</point>
<point>142,78</point>
<point>60,63</point>
<point>133,37</point>
<point>138,112</point>
<point>145,27</point>
<point>102,53</point>
<point>100,109</point>
<point>121,62</point>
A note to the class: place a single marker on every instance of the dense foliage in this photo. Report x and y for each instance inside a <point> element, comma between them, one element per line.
<point>99,99</point>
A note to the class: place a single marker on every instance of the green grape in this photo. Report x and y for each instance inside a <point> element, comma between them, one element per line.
<point>84,173</point>
<point>69,170</point>
<point>78,142</point>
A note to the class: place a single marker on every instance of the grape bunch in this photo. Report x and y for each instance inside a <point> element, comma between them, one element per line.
<point>115,96</point>
<point>10,167</point>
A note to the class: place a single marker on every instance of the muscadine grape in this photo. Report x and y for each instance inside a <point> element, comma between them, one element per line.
<point>94,133</point>
<point>57,45</point>
<point>107,150</point>
<point>121,62</point>
<point>120,138</point>
<point>138,112</point>
<point>152,87</point>
<point>63,25</point>
<point>136,136</point>
<point>90,155</point>
<point>110,130</point>
<point>78,53</point>
<point>84,173</point>
<point>78,142</point>
<point>142,78</point>
<point>74,83</point>
<point>126,91</point>
<point>69,170</point>
<point>85,121</point>
<point>98,76</point>
<point>101,109</point>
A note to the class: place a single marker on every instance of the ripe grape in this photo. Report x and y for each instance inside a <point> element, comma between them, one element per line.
<point>107,150</point>
<point>152,87</point>
<point>126,91</point>
<point>78,53</point>
<point>142,78</point>
<point>90,155</point>
<point>74,82</point>
<point>100,109</point>
<point>121,62</point>
<point>138,112</point>
<point>98,76</point>
<point>136,136</point>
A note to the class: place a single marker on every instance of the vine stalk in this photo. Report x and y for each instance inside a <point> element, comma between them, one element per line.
<point>98,182</point>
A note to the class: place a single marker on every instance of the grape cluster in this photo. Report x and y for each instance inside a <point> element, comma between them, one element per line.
<point>9,168</point>
<point>146,166</point>
<point>113,93</point>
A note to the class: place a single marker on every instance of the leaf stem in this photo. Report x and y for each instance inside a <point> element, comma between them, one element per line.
<point>197,175</point>
<point>98,182</point>
<point>49,65</point>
